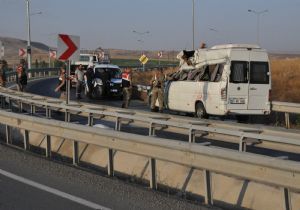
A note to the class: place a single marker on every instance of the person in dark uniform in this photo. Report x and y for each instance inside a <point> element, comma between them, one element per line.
<point>3,70</point>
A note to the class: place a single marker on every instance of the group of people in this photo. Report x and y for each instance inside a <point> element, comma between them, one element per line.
<point>157,84</point>
<point>21,74</point>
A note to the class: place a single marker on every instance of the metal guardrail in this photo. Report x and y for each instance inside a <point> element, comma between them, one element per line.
<point>271,171</point>
<point>287,108</point>
<point>34,73</point>
<point>243,133</point>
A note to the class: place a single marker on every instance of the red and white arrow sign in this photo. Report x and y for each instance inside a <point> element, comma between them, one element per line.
<point>68,47</point>
<point>52,54</point>
<point>22,52</point>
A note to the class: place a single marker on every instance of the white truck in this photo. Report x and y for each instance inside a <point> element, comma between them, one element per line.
<point>233,79</point>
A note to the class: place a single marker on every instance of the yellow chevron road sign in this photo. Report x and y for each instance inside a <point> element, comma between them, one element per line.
<point>144,59</point>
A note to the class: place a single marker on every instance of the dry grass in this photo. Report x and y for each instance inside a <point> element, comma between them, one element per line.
<point>285,79</point>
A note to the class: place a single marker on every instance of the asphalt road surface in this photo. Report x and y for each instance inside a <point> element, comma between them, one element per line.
<point>31,182</point>
<point>46,87</point>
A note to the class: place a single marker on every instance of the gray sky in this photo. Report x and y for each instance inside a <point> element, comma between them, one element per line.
<point>109,23</point>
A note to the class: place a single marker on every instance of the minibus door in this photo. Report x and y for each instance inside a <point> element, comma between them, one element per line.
<point>259,85</point>
<point>238,86</point>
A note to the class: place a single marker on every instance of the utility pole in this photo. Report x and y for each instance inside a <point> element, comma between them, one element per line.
<point>28,36</point>
<point>258,13</point>
<point>193,24</point>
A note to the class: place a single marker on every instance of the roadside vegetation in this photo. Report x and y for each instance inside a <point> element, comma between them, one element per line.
<point>286,80</point>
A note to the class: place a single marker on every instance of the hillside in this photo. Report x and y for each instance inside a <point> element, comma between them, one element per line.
<point>40,51</point>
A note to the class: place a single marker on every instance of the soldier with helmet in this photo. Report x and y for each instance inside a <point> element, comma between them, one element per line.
<point>157,84</point>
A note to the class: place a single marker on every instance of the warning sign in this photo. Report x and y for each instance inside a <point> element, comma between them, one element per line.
<point>144,59</point>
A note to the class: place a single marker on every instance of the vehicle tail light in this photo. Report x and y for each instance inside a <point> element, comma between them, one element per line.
<point>270,95</point>
<point>224,94</point>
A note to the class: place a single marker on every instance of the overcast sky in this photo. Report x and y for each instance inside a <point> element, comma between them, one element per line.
<point>109,23</point>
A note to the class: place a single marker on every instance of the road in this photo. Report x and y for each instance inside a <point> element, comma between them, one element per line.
<point>31,182</point>
<point>46,88</point>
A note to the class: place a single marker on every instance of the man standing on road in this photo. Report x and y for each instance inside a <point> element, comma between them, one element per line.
<point>21,75</point>
<point>3,70</point>
<point>79,78</point>
<point>89,77</point>
<point>157,83</point>
<point>127,87</point>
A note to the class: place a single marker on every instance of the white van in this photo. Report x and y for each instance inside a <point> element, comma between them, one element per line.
<point>233,79</point>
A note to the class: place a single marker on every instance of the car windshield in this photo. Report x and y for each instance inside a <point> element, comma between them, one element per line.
<point>112,73</point>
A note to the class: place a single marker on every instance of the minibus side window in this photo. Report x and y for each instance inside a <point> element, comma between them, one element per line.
<point>259,73</point>
<point>239,71</point>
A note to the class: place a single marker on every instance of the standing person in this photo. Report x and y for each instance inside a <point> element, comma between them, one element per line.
<point>62,85</point>
<point>3,70</point>
<point>127,87</point>
<point>21,75</point>
<point>157,83</point>
<point>89,77</point>
<point>79,78</point>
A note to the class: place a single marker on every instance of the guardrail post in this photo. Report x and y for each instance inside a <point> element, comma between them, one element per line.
<point>67,116</point>
<point>91,120</point>
<point>75,153</point>
<point>8,134</point>
<point>152,167</point>
<point>32,109</point>
<point>2,102</point>
<point>208,197</point>
<point>192,136</point>
<point>48,112</point>
<point>118,124</point>
<point>20,106</point>
<point>110,164</point>
<point>10,104</point>
<point>287,120</point>
<point>287,199</point>
<point>48,146</point>
<point>26,140</point>
<point>151,130</point>
<point>242,145</point>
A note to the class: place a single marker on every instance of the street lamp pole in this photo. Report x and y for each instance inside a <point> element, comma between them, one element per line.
<point>258,13</point>
<point>193,24</point>
<point>28,36</point>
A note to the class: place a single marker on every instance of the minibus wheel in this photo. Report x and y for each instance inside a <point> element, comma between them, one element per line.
<point>200,111</point>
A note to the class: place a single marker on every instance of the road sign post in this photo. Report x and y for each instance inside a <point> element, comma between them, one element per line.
<point>159,57</point>
<point>52,55</point>
<point>144,59</point>
<point>68,50</point>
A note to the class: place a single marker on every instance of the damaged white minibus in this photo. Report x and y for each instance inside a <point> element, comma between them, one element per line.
<point>233,79</point>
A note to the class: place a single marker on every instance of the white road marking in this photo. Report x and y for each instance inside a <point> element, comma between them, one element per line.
<point>53,191</point>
